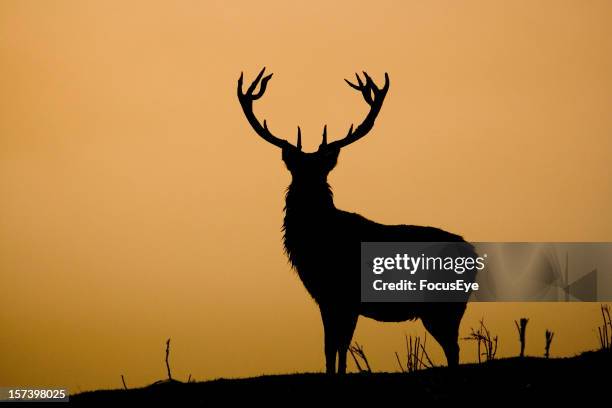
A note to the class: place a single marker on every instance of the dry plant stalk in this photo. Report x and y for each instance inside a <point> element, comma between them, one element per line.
<point>356,350</point>
<point>167,357</point>
<point>416,355</point>
<point>521,327</point>
<point>605,331</point>
<point>483,338</point>
<point>549,338</point>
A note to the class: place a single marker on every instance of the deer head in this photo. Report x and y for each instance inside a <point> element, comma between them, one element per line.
<point>313,166</point>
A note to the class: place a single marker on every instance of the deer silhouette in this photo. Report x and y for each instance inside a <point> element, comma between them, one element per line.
<point>323,242</point>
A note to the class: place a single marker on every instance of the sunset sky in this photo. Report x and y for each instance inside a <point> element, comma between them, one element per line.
<point>137,204</point>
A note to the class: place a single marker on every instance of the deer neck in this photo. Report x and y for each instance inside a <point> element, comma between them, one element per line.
<point>309,211</point>
<point>308,202</point>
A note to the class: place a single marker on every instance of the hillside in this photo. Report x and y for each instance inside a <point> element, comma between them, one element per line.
<point>582,378</point>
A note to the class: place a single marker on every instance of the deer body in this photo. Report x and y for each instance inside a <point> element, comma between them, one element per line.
<point>323,243</point>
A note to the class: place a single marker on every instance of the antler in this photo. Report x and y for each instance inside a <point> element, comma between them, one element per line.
<point>374,97</point>
<point>246,101</point>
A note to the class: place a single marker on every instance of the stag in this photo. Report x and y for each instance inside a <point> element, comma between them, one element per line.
<point>319,238</point>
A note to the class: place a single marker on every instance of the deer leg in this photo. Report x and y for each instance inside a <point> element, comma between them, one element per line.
<point>347,328</point>
<point>445,329</point>
<point>330,329</point>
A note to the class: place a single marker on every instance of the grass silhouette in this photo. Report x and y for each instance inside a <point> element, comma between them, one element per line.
<point>524,378</point>
<point>530,379</point>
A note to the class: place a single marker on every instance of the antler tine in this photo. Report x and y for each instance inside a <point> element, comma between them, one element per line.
<point>350,131</point>
<point>256,81</point>
<point>374,97</point>
<point>357,87</point>
<point>369,80</point>
<point>371,89</point>
<point>324,142</point>
<point>386,85</point>
<point>365,89</point>
<point>246,101</point>
<point>299,139</point>
<point>262,88</point>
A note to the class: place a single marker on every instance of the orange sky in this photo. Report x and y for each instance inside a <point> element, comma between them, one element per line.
<point>137,204</point>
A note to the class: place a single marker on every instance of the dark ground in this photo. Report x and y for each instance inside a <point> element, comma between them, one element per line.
<point>582,379</point>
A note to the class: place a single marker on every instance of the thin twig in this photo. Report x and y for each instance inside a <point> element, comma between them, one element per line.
<point>549,338</point>
<point>605,335</point>
<point>416,354</point>
<point>521,327</point>
<point>399,363</point>
<point>431,364</point>
<point>167,357</point>
<point>483,336</point>
<point>357,349</point>
<point>355,359</point>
